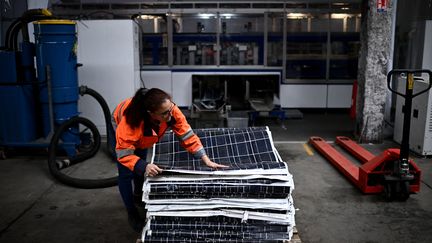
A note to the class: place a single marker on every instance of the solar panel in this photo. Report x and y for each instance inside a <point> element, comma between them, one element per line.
<point>248,202</point>
<point>213,223</point>
<point>219,189</point>
<point>200,229</point>
<point>240,149</point>
<point>216,226</point>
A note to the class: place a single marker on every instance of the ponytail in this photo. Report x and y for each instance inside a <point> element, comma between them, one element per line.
<point>144,101</point>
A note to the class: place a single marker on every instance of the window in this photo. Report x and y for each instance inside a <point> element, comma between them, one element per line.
<point>274,39</point>
<point>154,41</point>
<point>344,46</point>
<point>306,46</point>
<point>321,45</point>
<point>242,39</point>
<point>194,39</point>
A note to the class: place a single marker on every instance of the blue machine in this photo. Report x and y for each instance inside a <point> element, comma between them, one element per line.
<point>42,111</point>
<point>34,107</point>
<point>56,49</point>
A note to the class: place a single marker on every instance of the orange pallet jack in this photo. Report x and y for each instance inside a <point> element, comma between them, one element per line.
<point>391,172</point>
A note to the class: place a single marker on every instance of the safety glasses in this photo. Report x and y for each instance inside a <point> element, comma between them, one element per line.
<point>167,112</point>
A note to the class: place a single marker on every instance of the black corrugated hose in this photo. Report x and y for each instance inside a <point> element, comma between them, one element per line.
<point>56,165</point>
<point>107,115</point>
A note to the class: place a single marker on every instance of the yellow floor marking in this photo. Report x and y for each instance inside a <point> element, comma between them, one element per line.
<point>308,149</point>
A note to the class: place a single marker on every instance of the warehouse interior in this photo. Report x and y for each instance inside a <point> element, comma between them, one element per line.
<point>330,82</point>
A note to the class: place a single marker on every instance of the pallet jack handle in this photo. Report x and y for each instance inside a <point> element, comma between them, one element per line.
<point>409,73</point>
<point>409,95</point>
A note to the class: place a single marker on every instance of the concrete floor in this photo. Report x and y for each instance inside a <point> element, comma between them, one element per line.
<point>36,208</point>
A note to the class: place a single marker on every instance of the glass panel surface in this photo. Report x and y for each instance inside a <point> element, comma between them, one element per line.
<point>306,46</point>
<point>154,41</point>
<point>274,39</point>
<point>345,46</point>
<point>242,39</point>
<point>194,39</point>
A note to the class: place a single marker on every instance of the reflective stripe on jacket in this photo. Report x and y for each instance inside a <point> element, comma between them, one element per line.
<point>129,139</point>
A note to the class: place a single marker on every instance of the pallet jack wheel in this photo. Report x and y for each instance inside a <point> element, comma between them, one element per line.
<point>404,190</point>
<point>389,191</point>
<point>399,190</point>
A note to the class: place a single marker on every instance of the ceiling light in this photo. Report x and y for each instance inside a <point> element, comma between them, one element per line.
<point>296,16</point>
<point>339,16</point>
<point>146,16</point>
<point>205,15</point>
<point>227,15</point>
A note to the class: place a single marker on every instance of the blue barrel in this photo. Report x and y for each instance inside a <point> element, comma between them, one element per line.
<point>17,124</point>
<point>56,47</point>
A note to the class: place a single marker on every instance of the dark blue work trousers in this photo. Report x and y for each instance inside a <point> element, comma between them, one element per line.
<point>125,179</point>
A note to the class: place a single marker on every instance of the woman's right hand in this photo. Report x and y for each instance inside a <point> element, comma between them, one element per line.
<point>152,170</point>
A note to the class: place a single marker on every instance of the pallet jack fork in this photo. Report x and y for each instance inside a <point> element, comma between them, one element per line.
<point>369,176</point>
<point>391,172</point>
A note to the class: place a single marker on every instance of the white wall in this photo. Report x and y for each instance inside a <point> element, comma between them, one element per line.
<point>182,88</point>
<point>108,50</point>
<point>316,95</point>
<point>32,4</point>
<point>339,95</point>
<point>303,95</point>
<point>158,79</point>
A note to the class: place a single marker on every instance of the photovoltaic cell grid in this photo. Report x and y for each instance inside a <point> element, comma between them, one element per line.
<point>218,190</point>
<point>240,149</point>
<point>216,223</point>
<point>215,207</point>
<point>214,229</point>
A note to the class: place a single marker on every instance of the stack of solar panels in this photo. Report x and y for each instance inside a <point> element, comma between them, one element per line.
<point>248,202</point>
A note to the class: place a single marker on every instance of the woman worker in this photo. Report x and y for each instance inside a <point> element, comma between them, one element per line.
<point>140,122</point>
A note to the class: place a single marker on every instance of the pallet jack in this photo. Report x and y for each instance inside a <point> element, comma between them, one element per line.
<point>391,172</point>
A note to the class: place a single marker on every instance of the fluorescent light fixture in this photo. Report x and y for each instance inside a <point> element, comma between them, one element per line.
<point>205,15</point>
<point>296,16</point>
<point>339,16</point>
<point>227,15</point>
<point>145,16</point>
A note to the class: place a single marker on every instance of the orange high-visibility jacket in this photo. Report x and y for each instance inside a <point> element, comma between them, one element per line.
<point>129,139</point>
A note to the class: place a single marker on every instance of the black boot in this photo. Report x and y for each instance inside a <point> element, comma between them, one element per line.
<point>135,221</point>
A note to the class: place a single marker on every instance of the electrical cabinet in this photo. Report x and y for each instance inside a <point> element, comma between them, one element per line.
<point>421,117</point>
<point>109,52</point>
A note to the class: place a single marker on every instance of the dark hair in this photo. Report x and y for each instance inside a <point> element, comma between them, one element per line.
<point>144,100</point>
